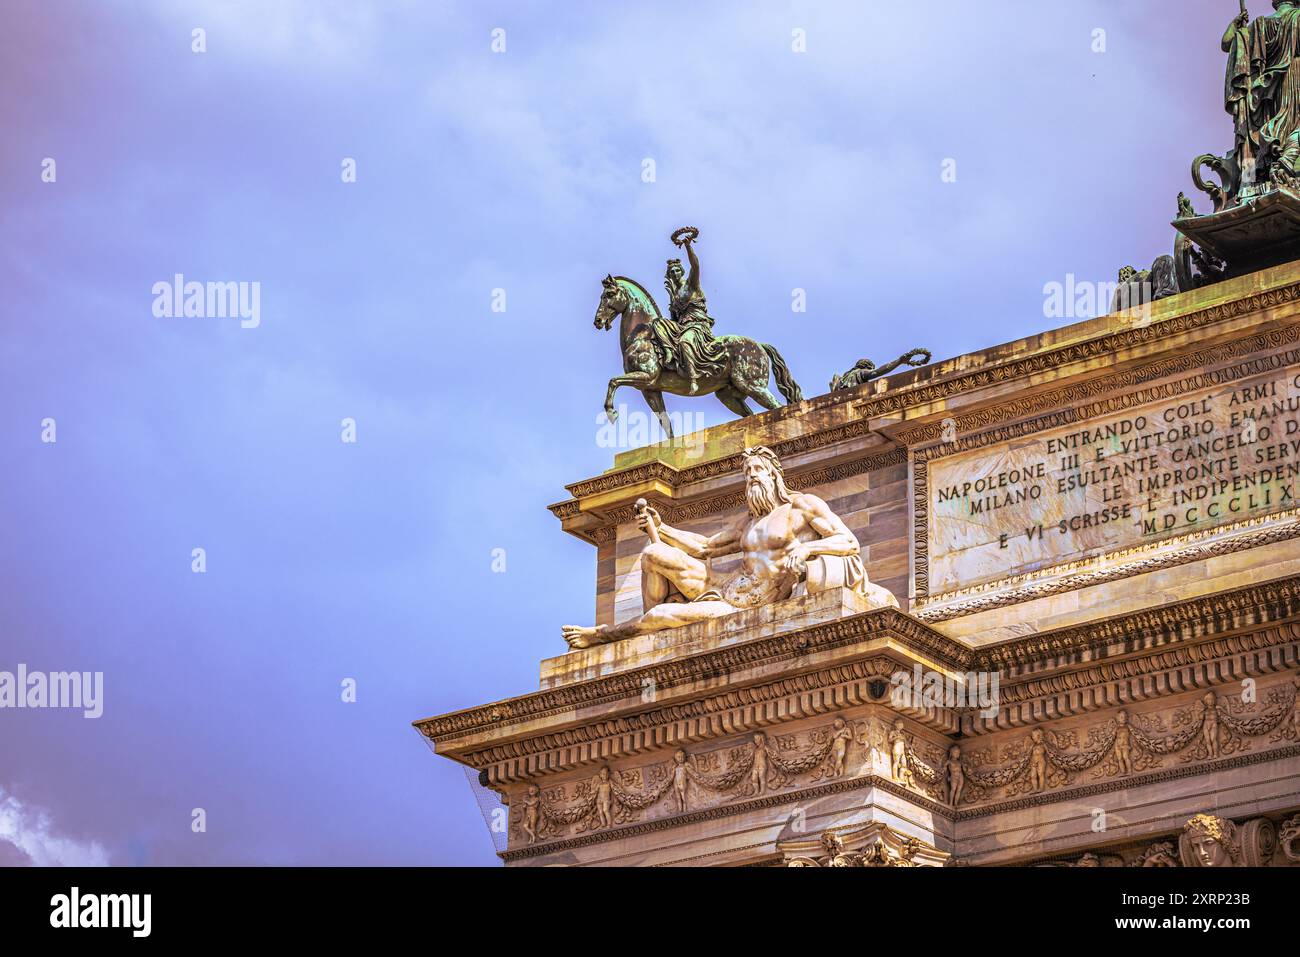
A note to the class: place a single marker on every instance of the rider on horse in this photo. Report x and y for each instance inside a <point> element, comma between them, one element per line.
<point>734,368</point>
<point>698,354</point>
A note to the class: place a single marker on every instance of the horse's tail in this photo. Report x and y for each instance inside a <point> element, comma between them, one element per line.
<point>784,381</point>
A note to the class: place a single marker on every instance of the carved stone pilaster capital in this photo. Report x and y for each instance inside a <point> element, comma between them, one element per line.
<point>1211,841</point>
<point>869,845</point>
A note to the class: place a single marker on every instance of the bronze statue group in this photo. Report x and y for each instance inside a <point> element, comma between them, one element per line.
<point>679,353</point>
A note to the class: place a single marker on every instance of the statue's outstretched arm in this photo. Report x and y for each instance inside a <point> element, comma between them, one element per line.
<point>836,537</point>
<point>726,542</point>
<point>703,546</point>
<point>887,368</point>
<point>691,543</point>
<point>694,278</point>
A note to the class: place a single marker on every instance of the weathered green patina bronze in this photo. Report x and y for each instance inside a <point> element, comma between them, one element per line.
<point>865,370</point>
<point>1262,94</point>
<point>1256,218</point>
<point>1255,222</point>
<point>680,354</point>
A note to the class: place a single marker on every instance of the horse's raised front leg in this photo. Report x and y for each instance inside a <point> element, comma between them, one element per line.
<point>655,399</point>
<point>638,380</point>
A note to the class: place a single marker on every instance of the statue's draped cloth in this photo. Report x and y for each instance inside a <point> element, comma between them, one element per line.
<point>833,571</point>
<point>1260,59</point>
<point>690,332</point>
<point>847,571</point>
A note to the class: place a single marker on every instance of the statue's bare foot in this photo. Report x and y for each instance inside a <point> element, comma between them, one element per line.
<point>580,637</point>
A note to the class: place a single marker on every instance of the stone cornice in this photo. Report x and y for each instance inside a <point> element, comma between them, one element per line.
<point>1161,654</point>
<point>729,712</point>
<point>1078,401</point>
<point>733,500</point>
<point>1104,346</point>
<point>828,691</point>
<point>1192,547</point>
<point>1156,674</point>
<point>725,662</point>
<point>1253,606</point>
<point>1126,653</point>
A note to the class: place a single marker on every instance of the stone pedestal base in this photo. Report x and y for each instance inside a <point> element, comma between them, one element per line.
<point>1256,235</point>
<point>765,622</point>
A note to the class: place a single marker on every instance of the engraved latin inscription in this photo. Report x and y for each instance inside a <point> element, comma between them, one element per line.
<point>1208,459</point>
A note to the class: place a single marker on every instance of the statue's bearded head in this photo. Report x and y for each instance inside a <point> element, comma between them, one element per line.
<point>764,481</point>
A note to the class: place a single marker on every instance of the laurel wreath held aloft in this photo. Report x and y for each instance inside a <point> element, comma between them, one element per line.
<point>686,234</point>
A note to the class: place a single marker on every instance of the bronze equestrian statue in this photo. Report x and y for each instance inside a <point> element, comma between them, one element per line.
<point>680,354</point>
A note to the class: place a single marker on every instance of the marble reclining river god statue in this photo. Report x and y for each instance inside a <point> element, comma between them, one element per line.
<point>785,538</point>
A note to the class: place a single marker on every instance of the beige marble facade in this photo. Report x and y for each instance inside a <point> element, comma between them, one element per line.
<point>1077,696</point>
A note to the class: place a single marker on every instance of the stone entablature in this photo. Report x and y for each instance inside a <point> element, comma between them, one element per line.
<point>1183,634</point>
<point>770,668</point>
<point>767,726</point>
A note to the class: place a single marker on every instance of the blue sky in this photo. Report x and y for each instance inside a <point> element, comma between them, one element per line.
<point>476,170</point>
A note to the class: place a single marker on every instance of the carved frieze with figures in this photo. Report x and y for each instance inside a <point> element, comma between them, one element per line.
<point>966,778</point>
<point>758,766</point>
<point>1211,728</point>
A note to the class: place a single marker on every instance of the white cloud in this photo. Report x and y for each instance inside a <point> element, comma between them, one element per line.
<point>31,832</point>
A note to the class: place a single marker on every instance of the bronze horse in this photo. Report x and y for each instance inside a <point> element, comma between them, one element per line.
<point>744,375</point>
